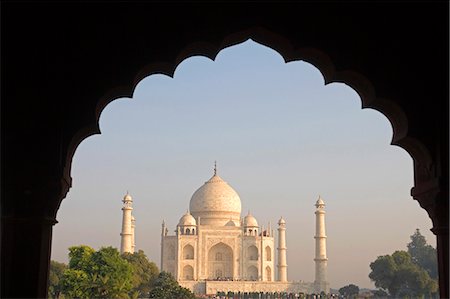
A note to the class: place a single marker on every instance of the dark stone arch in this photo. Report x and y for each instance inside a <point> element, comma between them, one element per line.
<point>52,96</point>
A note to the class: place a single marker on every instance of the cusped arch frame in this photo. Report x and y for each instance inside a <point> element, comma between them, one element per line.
<point>423,167</point>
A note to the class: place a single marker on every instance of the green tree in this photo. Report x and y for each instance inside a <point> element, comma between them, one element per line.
<point>144,273</point>
<point>111,275</point>
<point>55,277</point>
<point>80,257</point>
<point>380,294</point>
<point>400,276</point>
<point>97,274</point>
<point>166,287</point>
<point>423,254</point>
<point>349,291</point>
<point>75,284</point>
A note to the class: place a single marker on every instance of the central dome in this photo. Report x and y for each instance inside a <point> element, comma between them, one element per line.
<point>216,203</point>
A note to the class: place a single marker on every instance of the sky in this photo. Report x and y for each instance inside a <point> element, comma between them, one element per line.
<point>281,138</point>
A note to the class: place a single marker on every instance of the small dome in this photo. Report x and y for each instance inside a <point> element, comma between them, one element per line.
<point>132,218</point>
<point>187,220</point>
<point>127,197</point>
<point>250,221</point>
<point>281,221</point>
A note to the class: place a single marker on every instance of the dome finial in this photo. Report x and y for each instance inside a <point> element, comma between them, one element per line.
<point>215,167</point>
<point>320,203</point>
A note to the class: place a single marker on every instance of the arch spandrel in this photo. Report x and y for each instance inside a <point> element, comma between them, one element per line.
<point>211,242</point>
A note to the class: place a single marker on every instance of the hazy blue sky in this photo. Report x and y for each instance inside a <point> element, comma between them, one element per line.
<point>280,137</point>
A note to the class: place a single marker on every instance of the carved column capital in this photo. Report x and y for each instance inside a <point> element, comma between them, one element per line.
<point>433,197</point>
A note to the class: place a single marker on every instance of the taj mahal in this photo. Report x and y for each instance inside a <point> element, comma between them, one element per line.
<point>215,249</point>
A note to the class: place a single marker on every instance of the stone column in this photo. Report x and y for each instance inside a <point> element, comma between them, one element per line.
<point>28,213</point>
<point>25,256</point>
<point>321,280</point>
<point>282,265</point>
<point>432,195</point>
<point>126,234</point>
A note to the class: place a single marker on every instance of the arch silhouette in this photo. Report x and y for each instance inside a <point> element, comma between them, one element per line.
<point>426,187</point>
<point>270,39</point>
<point>382,51</point>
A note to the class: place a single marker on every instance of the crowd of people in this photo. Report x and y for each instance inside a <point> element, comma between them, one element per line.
<point>276,295</point>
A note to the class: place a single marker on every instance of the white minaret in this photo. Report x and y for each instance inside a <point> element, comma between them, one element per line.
<point>321,281</point>
<point>133,241</point>
<point>282,265</point>
<point>163,234</point>
<point>126,242</point>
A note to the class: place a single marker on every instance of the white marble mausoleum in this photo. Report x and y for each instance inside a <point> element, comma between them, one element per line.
<point>214,249</point>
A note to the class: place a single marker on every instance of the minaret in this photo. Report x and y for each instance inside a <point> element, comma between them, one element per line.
<point>163,234</point>
<point>282,266</point>
<point>133,226</point>
<point>321,281</point>
<point>126,243</point>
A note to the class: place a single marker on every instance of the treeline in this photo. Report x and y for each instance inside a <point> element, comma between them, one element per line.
<point>108,274</point>
<point>410,273</point>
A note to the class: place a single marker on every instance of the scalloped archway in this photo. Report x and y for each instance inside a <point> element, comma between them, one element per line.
<point>426,187</point>
<point>56,92</point>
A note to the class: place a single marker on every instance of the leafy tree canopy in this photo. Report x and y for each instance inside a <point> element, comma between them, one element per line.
<point>349,291</point>
<point>54,280</point>
<point>144,273</point>
<point>75,284</point>
<point>423,254</point>
<point>97,274</point>
<point>380,294</point>
<point>398,274</point>
<point>80,257</point>
<point>166,287</point>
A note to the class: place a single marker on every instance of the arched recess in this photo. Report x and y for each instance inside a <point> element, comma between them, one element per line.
<point>268,252</point>
<point>220,262</point>
<point>252,273</point>
<point>252,253</point>
<point>171,252</point>
<point>188,273</point>
<point>188,252</point>
<point>268,274</point>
